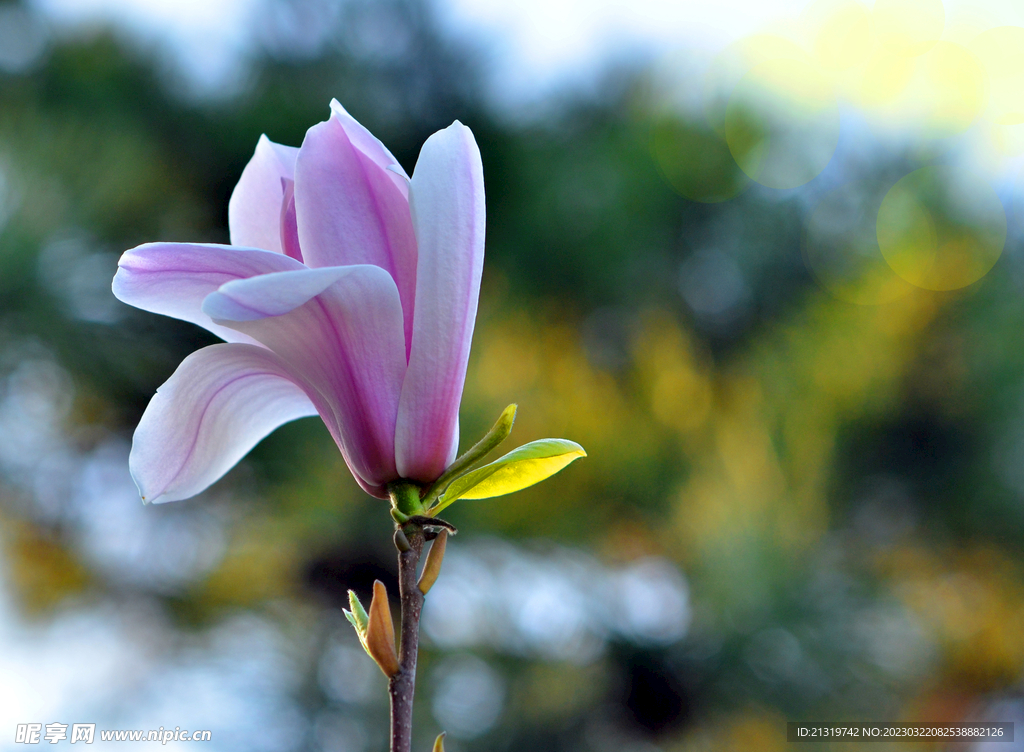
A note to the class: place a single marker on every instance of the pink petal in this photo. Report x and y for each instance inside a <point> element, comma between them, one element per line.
<point>217,406</point>
<point>447,200</point>
<point>453,452</point>
<point>340,331</point>
<point>254,211</point>
<point>174,278</point>
<point>371,146</point>
<point>289,224</point>
<point>350,211</point>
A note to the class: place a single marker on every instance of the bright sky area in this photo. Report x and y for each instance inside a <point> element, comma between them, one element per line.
<point>534,43</point>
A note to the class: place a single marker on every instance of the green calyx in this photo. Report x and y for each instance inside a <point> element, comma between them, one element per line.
<point>405,500</point>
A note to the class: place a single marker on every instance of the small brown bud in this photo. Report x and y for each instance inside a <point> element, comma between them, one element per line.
<point>401,541</point>
<point>380,632</point>
<point>432,566</point>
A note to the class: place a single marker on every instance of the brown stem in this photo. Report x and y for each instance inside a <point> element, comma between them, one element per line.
<point>403,684</point>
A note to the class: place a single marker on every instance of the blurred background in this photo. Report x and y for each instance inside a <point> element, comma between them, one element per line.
<point>763,262</point>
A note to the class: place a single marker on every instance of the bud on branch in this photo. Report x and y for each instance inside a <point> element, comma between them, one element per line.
<point>376,630</point>
<point>380,632</point>
<point>432,566</point>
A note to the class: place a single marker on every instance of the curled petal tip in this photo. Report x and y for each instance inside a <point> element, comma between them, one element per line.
<point>146,497</point>
<point>153,499</point>
<point>255,203</point>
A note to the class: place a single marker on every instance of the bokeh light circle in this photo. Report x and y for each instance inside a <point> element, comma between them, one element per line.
<point>948,93</point>
<point>1007,139</point>
<point>939,93</point>
<point>941,228</point>
<point>909,27</point>
<point>695,161</point>
<point>729,67</point>
<point>782,123</point>
<point>884,79</point>
<point>840,247</point>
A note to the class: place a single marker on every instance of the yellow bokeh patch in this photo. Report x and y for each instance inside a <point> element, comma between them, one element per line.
<point>840,247</point>
<point>941,230</point>
<point>1001,53</point>
<point>909,27</point>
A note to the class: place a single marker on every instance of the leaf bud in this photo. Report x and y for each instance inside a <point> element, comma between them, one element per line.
<point>357,616</point>
<point>380,632</point>
<point>401,541</point>
<point>432,566</point>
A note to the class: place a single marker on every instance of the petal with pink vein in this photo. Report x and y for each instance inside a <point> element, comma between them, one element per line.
<point>219,403</point>
<point>174,278</point>
<point>446,196</point>
<point>371,146</point>
<point>349,211</point>
<point>340,331</point>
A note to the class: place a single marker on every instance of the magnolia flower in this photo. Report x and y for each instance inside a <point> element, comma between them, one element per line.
<point>349,290</point>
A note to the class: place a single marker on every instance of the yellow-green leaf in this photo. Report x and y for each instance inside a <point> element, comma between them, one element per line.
<point>439,743</point>
<point>357,615</point>
<point>498,433</point>
<point>519,469</point>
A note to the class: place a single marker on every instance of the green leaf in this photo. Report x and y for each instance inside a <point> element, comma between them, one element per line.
<point>519,469</point>
<point>439,743</point>
<point>357,615</point>
<point>498,433</point>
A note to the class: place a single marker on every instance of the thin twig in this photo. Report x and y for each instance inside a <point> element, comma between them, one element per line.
<point>403,684</point>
